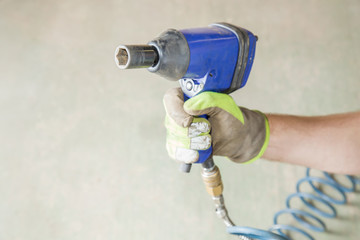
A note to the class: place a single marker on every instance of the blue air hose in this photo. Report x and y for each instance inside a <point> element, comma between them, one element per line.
<point>300,215</point>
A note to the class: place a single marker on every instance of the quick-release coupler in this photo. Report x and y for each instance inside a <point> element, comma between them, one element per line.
<point>212,181</point>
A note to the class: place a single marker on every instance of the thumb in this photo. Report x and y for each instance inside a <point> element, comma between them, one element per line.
<point>211,103</point>
<point>174,107</point>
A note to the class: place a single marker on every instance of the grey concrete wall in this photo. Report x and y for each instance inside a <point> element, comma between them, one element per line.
<point>82,143</point>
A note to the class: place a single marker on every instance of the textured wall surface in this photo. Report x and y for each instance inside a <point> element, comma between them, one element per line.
<point>82,151</point>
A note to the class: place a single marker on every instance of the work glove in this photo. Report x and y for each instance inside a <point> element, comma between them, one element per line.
<point>238,133</point>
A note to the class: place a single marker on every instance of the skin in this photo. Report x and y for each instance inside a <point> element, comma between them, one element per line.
<point>330,143</point>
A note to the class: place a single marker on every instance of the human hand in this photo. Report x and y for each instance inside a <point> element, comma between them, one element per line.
<point>237,133</point>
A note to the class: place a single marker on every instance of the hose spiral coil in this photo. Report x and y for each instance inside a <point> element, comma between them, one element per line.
<point>300,215</point>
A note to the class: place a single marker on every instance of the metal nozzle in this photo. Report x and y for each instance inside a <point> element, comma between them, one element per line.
<point>212,181</point>
<point>136,56</point>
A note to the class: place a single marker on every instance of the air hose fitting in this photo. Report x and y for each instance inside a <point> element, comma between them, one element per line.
<point>213,184</point>
<point>212,181</point>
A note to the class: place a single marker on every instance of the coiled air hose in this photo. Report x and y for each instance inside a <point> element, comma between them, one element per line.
<point>300,215</point>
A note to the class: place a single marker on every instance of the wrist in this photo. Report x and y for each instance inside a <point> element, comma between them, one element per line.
<point>266,140</point>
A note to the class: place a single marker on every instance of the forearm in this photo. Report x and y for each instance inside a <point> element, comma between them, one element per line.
<point>330,143</point>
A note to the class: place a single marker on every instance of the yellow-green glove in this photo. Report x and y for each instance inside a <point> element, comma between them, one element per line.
<point>238,133</point>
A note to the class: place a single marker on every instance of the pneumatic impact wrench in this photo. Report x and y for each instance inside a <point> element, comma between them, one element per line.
<point>216,58</point>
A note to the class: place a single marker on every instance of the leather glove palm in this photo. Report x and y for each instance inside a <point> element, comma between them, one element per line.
<point>237,133</point>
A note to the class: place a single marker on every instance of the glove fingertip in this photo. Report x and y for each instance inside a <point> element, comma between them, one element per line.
<point>187,121</point>
<point>186,155</point>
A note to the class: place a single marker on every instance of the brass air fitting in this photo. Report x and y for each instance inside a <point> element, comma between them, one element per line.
<point>212,181</point>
